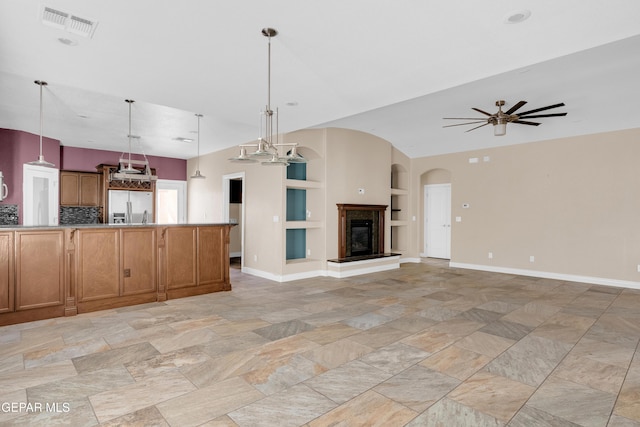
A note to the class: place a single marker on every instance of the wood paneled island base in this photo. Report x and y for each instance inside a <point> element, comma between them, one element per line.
<point>48,272</point>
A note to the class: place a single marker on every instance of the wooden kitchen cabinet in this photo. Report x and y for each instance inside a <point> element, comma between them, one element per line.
<point>6,272</point>
<point>213,258</point>
<point>116,267</point>
<point>181,257</point>
<point>39,271</point>
<point>195,260</point>
<point>138,254</point>
<point>79,188</point>
<point>48,272</point>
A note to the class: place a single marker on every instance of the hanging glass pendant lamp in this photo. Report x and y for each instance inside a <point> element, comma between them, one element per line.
<point>198,175</point>
<point>41,161</point>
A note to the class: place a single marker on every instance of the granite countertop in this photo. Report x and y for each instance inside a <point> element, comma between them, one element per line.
<point>62,226</point>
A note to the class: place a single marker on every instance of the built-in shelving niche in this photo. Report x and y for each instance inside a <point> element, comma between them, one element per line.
<point>296,238</point>
<point>399,208</point>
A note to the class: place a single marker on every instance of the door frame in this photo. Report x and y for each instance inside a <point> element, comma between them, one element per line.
<point>226,183</point>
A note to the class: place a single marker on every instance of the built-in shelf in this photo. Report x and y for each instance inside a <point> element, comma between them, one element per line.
<point>303,224</point>
<point>398,192</point>
<point>399,230</point>
<point>295,183</point>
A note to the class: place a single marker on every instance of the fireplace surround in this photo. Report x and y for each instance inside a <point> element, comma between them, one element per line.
<point>360,230</point>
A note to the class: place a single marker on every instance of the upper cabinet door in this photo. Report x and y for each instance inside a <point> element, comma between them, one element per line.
<point>69,185</point>
<point>89,189</point>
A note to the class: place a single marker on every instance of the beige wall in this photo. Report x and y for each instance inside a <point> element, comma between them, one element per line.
<point>573,204</point>
<point>354,160</point>
<point>263,200</point>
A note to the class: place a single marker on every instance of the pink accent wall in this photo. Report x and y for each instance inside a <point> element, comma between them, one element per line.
<point>86,160</point>
<point>18,147</point>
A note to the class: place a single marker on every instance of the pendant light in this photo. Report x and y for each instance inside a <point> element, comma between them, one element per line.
<point>126,171</point>
<point>266,149</point>
<point>198,175</point>
<point>129,168</point>
<point>41,161</point>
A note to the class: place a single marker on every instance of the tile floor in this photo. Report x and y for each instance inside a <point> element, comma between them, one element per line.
<point>420,346</point>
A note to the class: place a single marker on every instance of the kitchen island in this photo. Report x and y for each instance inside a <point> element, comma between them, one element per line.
<point>55,271</point>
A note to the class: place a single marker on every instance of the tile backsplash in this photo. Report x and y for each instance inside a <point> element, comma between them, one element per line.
<point>70,215</point>
<point>8,214</point>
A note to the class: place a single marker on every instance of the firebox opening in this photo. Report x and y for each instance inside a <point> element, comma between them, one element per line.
<point>361,237</point>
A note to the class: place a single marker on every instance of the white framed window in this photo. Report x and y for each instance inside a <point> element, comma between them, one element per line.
<point>171,201</point>
<point>40,195</point>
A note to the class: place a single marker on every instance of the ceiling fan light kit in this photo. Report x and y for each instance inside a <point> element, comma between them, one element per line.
<point>500,119</point>
<point>266,149</point>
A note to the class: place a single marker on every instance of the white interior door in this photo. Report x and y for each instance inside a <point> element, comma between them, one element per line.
<point>40,195</point>
<point>437,239</point>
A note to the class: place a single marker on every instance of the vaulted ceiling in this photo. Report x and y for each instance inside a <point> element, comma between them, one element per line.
<point>391,68</point>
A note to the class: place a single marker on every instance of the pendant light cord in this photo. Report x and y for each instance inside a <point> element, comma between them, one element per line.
<point>129,101</point>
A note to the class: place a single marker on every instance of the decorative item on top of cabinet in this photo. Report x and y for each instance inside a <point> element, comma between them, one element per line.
<point>79,188</point>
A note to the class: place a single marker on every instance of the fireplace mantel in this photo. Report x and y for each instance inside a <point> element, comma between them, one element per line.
<point>345,211</point>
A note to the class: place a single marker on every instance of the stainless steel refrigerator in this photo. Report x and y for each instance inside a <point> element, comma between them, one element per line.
<point>130,207</point>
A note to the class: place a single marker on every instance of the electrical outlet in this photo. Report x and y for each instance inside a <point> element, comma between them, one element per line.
<point>638,268</point>
<point>490,255</point>
<point>255,258</point>
<point>360,190</point>
<point>532,258</point>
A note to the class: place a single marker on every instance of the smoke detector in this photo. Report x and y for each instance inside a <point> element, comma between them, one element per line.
<point>69,22</point>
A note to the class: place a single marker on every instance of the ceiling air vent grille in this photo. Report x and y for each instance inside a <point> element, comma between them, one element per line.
<point>54,17</point>
<point>69,22</point>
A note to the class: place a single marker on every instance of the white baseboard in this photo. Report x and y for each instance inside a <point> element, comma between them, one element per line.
<point>414,260</point>
<point>235,254</point>
<point>549,275</point>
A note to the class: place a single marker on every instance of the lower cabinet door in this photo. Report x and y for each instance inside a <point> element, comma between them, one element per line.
<point>213,260</point>
<point>181,257</point>
<point>138,261</point>
<point>98,264</point>
<point>39,269</point>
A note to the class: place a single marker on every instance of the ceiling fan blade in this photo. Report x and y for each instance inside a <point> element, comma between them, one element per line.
<point>476,127</point>
<point>463,118</point>
<point>522,122</point>
<point>543,115</point>
<point>542,109</point>
<point>480,111</point>
<point>462,124</point>
<point>515,107</point>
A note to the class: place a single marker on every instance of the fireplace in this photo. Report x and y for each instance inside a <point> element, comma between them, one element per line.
<point>360,237</point>
<point>360,230</point>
